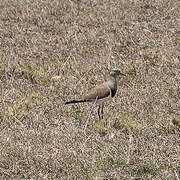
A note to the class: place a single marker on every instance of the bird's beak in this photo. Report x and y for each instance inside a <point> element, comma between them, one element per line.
<point>122,74</point>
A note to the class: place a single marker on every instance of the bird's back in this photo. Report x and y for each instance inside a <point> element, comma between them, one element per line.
<point>98,92</point>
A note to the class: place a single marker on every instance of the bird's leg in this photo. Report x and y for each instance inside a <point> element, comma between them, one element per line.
<point>99,108</point>
<point>102,107</point>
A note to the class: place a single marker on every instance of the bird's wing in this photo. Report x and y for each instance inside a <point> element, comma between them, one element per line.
<point>98,92</point>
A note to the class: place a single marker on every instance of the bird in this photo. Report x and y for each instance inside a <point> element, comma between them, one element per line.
<point>101,93</point>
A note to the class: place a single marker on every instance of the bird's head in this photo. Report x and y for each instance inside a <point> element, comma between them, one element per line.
<point>116,72</point>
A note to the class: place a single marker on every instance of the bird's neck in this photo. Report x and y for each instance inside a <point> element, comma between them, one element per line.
<point>113,79</point>
<point>112,84</point>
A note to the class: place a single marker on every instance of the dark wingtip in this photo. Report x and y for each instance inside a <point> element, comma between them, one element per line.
<point>73,102</point>
<point>123,74</point>
<point>76,101</point>
<point>68,102</point>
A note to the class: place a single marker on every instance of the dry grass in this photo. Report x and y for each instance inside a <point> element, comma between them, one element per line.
<point>52,50</point>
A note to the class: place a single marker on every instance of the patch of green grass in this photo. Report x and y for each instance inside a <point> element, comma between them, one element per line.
<point>176,121</point>
<point>30,72</point>
<point>128,123</point>
<point>146,169</point>
<point>22,107</point>
<point>76,114</point>
<point>89,172</point>
<point>101,129</point>
<point>114,161</point>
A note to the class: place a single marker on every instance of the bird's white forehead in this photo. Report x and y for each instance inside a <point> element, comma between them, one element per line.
<point>115,70</point>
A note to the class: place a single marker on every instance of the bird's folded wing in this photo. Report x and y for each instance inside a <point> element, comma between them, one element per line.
<point>98,92</point>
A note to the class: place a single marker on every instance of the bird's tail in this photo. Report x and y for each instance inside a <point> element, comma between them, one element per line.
<point>77,101</point>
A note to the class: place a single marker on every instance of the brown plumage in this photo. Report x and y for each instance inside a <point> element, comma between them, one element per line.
<point>101,93</point>
<point>94,94</point>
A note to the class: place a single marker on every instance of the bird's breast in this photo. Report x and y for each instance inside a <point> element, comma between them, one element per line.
<point>113,92</point>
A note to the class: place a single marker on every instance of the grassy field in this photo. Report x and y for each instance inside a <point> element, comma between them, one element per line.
<point>52,51</point>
